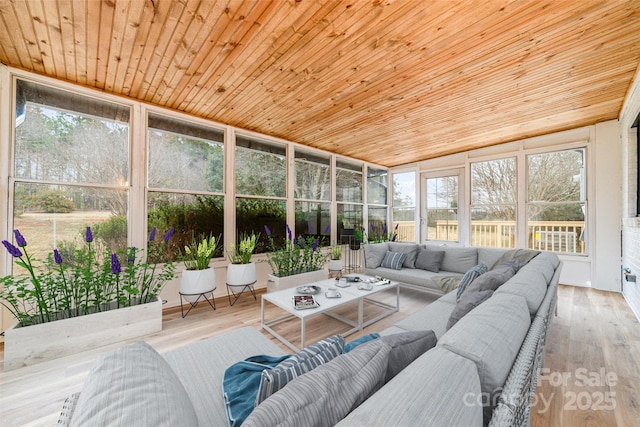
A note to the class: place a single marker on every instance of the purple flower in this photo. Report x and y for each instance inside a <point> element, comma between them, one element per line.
<point>152,235</point>
<point>301,243</point>
<point>115,264</point>
<point>309,229</point>
<point>20,240</point>
<point>267,231</point>
<point>131,256</point>
<point>396,226</point>
<point>288,232</point>
<point>371,226</point>
<point>395,236</point>
<point>168,235</point>
<point>88,235</point>
<point>326,229</point>
<point>57,257</point>
<point>15,252</point>
<point>384,228</point>
<point>315,244</point>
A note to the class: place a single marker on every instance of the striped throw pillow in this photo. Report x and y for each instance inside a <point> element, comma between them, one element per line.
<point>393,260</point>
<point>472,274</point>
<point>300,363</point>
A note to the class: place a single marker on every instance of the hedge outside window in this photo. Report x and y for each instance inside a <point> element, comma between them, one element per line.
<point>185,179</point>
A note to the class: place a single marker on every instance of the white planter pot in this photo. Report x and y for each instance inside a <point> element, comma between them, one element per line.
<point>278,283</point>
<point>241,274</point>
<point>335,265</point>
<point>195,282</point>
<point>28,345</point>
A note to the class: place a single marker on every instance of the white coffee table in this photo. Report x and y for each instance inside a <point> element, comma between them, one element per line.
<point>351,294</point>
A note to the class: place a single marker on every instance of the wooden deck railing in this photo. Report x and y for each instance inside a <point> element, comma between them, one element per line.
<point>555,236</point>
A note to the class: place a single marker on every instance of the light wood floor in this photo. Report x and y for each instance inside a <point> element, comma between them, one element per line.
<point>594,337</point>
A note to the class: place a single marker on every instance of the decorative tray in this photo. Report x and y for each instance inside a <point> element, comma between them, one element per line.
<point>308,289</point>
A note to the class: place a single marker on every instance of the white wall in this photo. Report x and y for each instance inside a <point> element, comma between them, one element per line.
<point>630,220</point>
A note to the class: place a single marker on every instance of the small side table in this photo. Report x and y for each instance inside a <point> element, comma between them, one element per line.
<point>212,301</point>
<point>247,287</point>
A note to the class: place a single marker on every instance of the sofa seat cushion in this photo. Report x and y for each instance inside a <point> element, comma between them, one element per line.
<point>433,317</point>
<point>201,365</point>
<point>449,298</point>
<point>130,384</point>
<point>490,336</point>
<point>410,249</point>
<point>412,276</point>
<point>457,259</point>
<point>374,254</point>
<point>439,388</point>
<point>328,393</point>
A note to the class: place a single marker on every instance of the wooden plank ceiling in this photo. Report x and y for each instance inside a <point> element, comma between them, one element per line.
<point>386,81</point>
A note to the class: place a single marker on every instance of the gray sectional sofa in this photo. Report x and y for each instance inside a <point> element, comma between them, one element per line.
<point>482,371</point>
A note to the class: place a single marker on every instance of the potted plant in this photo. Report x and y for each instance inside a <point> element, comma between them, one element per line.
<point>241,271</point>
<point>81,298</point>
<point>298,261</point>
<point>335,255</point>
<point>198,277</point>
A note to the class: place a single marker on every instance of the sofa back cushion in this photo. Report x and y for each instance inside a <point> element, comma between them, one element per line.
<point>374,254</point>
<point>131,384</point>
<point>491,336</point>
<point>456,259</point>
<point>405,348</point>
<point>440,388</point>
<point>327,394</point>
<point>410,249</point>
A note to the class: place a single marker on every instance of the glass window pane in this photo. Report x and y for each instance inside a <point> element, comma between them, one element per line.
<point>66,137</point>
<point>349,216</point>
<point>314,219</point>
<point>493,203</point>
<point>190,215</point>
<point>376,186</point>
<point>567,170</point>
<point>442,208</point>
<point>261,168</point>
<point>313,176</point>
<point>404,205</point>
<point>56,216</point>
<point>185,156</point>
<point>348,182</point>
<point>253,214</point>
<point>556,197</point>
<point>557,227</point>
<point>378,230</point>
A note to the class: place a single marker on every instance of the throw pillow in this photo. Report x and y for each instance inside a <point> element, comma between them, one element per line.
<point>374,254</point>
<point>429,260</point>
<point>393,260</point>
<point>300,363</point>
<point>359,341</point>
<point>405,348</point>
<point>470,300</point>
<point>327,394</point>
<point>130,384</point>
<point>471,274</point>
<point>411,249</point>
<point>495,278</point>
<point>522,255</point>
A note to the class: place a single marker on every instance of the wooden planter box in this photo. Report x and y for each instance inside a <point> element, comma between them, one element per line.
<point>24,346</point>
<point>278,283</point>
